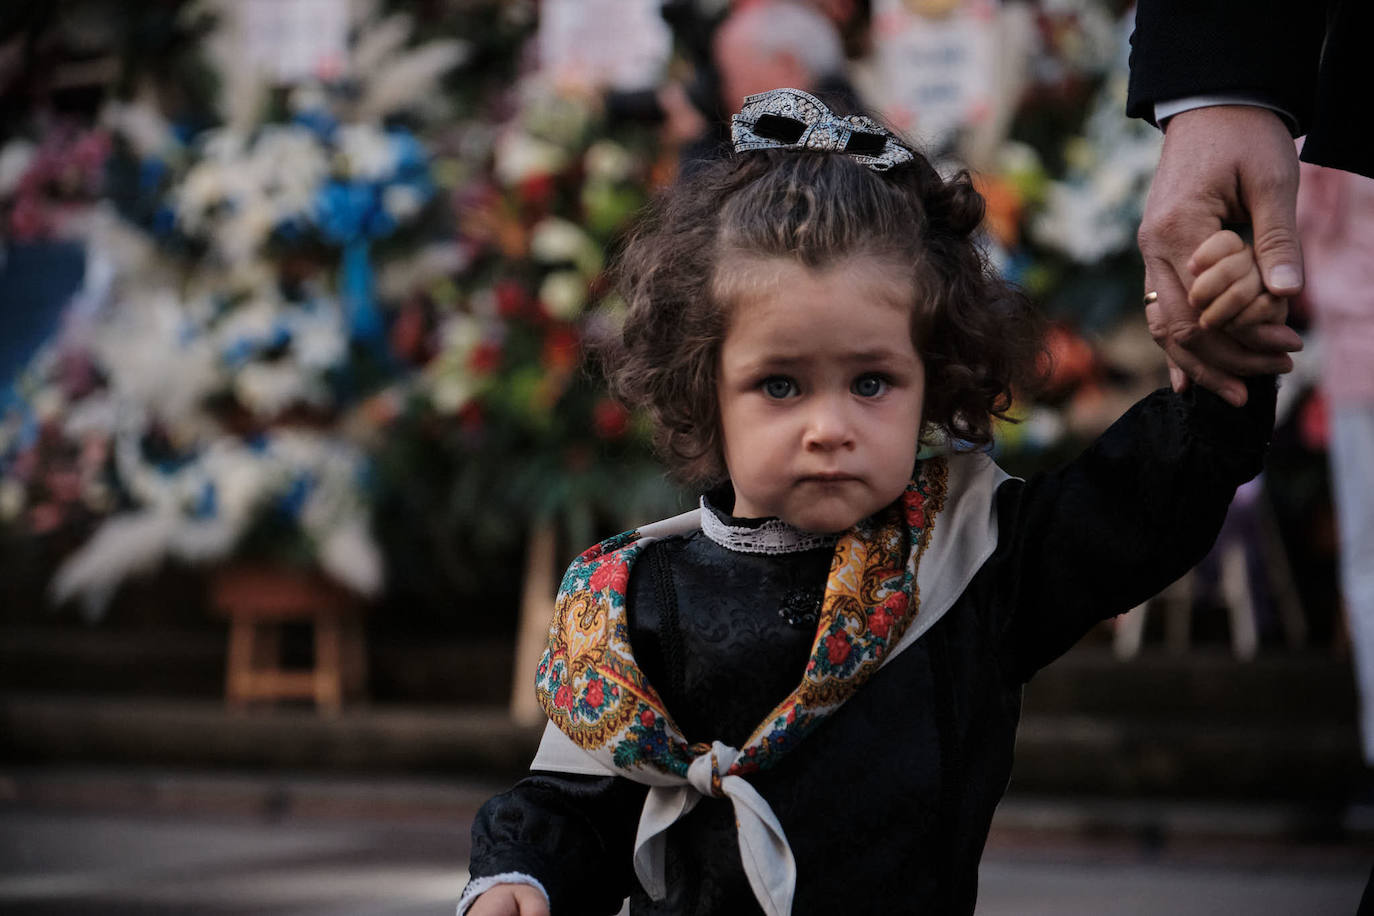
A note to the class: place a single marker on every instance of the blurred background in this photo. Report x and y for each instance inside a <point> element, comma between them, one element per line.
<point>296,437</point>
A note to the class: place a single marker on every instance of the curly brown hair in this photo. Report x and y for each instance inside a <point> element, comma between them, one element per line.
<point>978,336</point>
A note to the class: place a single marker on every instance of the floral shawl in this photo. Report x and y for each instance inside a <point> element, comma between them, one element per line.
<point>893,575</point>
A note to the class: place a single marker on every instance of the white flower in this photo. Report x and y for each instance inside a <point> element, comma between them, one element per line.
<point>11,499</point>
<point>447,376</point>
<point>288,165</point>
<point>48,403</point>
<point>203,187</point>
<point>1076,222</point>
<point>402,202</point>
<point>450,391</point>
<point>557,240</point>
<point>367,152</point>
<point>563,293</point>
<point>460,333</point>
<point>520,156</point>
<point>253,321</point>
<point>14,162</point>
<point>607,160</point>
<point>142,125</point>
<point>269,388</point>
<point>318,339</point>
<point>349,554</point>
<point>93,414</point>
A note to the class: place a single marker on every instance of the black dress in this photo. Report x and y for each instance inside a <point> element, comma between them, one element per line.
<point>886,805</point>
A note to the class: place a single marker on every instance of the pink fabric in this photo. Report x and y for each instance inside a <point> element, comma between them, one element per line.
<point>1336,223</point>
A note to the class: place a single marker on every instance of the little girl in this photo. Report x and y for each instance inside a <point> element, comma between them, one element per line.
<point>802,697</point>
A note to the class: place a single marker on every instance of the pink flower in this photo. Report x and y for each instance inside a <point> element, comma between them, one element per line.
<point>646,718</point>
<point>45,518</point>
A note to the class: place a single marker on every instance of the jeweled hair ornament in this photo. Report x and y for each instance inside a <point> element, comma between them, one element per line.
<point>792,119</point>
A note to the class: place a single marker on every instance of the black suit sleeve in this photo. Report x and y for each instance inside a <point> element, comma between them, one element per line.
<point>1268,49</point>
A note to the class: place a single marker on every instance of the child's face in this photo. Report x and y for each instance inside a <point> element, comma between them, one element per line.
<point>820,391</point>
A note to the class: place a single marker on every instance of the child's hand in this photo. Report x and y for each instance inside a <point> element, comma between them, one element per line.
<point>1228,287</point>
<point>510,900</point>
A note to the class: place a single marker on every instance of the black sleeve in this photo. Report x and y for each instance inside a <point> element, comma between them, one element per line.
<point>1269,49</point>
<point>1133,513</point>
<point>574,834</point>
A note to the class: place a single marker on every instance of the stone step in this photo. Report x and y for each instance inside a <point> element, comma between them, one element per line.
<point>1067,755</point>
<point>1201,686</point>
<point>1205,685</point>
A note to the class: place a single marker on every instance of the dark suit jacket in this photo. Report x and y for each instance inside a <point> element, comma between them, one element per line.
<point>1308,57</point>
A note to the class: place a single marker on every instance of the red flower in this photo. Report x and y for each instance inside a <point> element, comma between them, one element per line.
<point>471,418</point>
<point>879,623</point>
<point>646,718</point>
<point>610,419</point>
<point>408,333</point>
<point>895,604</point>
<point>916,512</point>
<point>511,299</point>
<point>595,696</point>
<point>563,699</point>
<point>536,190</point>
<point>614,575</point>
<point>560,352</point>
<point>837,648</point>
<point>485,358</point>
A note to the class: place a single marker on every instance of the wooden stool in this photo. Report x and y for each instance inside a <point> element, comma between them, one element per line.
<point>258,600</point>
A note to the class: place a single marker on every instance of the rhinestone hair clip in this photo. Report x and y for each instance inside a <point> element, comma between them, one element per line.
<point>792,119</point>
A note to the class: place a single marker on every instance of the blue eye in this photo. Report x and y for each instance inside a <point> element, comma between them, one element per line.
<point>869,386</point>
<point>779,387</point>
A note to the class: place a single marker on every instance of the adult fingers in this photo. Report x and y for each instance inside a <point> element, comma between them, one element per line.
<point>1173,325</point>
<point>1178,379</point>
<point>1214,349</point>
<point>1273,339</point>
<point>1269,187</point>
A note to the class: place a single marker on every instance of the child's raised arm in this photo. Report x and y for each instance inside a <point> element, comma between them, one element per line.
<point>1228,287</point>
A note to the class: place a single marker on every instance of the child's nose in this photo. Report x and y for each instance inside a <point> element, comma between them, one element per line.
<point>828,425</point>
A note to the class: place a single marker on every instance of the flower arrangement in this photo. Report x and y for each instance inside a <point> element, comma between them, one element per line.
<point>504,424</point>
<point>228,327</point>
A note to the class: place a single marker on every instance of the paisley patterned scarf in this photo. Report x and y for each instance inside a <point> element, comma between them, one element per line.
<point>605,716</point>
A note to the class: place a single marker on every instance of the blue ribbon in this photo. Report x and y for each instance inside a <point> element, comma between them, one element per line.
<point>352,214</point>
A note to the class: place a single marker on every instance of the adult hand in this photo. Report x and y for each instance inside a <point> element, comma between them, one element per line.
<point>1221,164</point>
<point>510,900</point>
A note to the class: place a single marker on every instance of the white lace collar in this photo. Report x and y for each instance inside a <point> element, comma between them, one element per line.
<point>772,536</point>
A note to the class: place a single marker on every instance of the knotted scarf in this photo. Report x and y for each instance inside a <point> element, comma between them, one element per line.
<point>606,718</point>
